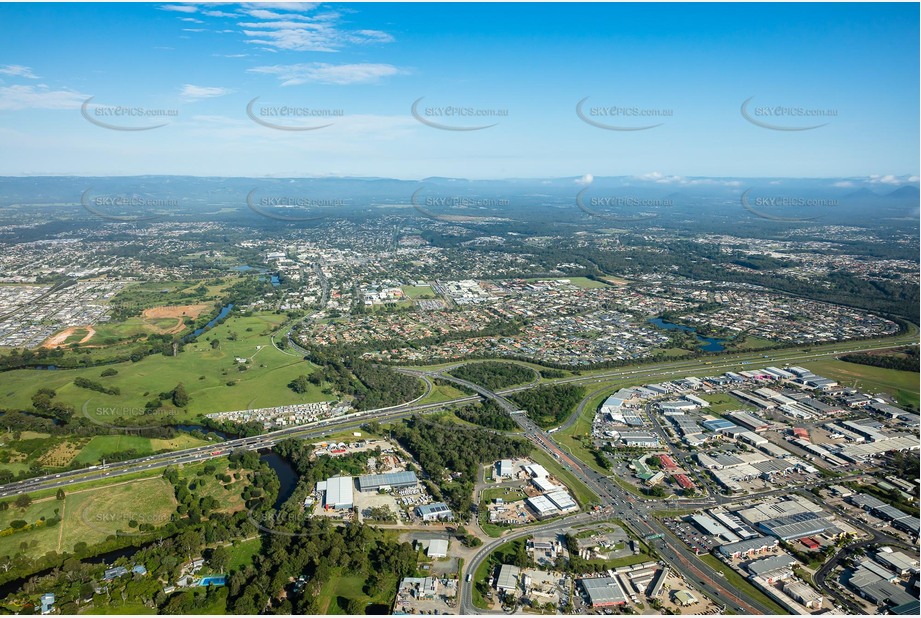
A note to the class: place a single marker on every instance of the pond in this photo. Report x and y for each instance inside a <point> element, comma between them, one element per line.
<point>286,475</point>
<point>707,344</point>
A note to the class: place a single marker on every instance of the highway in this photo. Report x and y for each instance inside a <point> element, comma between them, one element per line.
<point>634,513</point>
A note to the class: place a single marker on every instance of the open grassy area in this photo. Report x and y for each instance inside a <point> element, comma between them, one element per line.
<point>205,372</point>
<point>740,583</point>
<point>723,402</point>
<point>443,392</point>
<point>88,515</point>
<point>418,291</point>
<point>102,446</point>
<point>509,494</point>
<point>38,540</point>
<point>241,555</point>
<point>751,343</point>
<point>335,593</point>
<point>91,516</point>
<point>903,385</point>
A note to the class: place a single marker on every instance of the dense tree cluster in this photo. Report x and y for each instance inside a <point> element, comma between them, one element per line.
<point>487,414</point>
<point>372,386</point>
<point>550,404</point>
<point>451,455</point>
<point>906,361</point>
<point>494,375</point>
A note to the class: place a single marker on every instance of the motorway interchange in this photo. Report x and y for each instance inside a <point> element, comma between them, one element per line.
<point>617,502</point>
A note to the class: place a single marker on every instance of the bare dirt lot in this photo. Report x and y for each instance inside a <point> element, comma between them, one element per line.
<point>179,312</point>
<point>59,339</point>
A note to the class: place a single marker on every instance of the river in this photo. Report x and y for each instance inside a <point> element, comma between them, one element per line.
<point>220,316</point>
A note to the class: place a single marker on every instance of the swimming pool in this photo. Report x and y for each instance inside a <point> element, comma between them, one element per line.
<point>213,580</point>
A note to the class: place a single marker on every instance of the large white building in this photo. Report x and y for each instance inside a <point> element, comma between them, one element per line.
<point>338,492</point>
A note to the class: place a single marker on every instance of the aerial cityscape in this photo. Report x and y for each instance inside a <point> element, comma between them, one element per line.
<point>460,308</point>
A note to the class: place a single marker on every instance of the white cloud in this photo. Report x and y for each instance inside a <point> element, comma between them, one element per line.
<point>179,8</point>
<point>888,179</point>
<point>283,6</point>
<point>191,20</point>
<point>17,70</point>
<point>322,73</point>
<point>307,33</point>
<point>585,180</point>
<point>843,184</point>
<point>39,97</point>
<point>219,14</point>
<point>194,93</point>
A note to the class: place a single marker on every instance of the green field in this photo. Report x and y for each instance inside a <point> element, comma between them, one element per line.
<point>509,494</point>
<point>419,291</point>
<point>903,385</point>
<point>91,516</point>
<point>724,402</point>
<point>104,446</point>
<point>336,592</point>
<point>751,343</point>
<point>242,554</point>
<point>442,392</point>
<point>88,515</point>
<point>204,371</point>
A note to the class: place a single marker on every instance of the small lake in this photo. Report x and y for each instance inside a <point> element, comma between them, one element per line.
<point>707,344</point>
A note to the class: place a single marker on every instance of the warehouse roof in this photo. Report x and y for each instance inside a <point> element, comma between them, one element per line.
<point>390,479</point>
<point>339,491</point>
<point>603,590</point>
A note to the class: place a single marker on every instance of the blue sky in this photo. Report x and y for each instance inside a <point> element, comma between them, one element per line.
<point>690,66</point>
